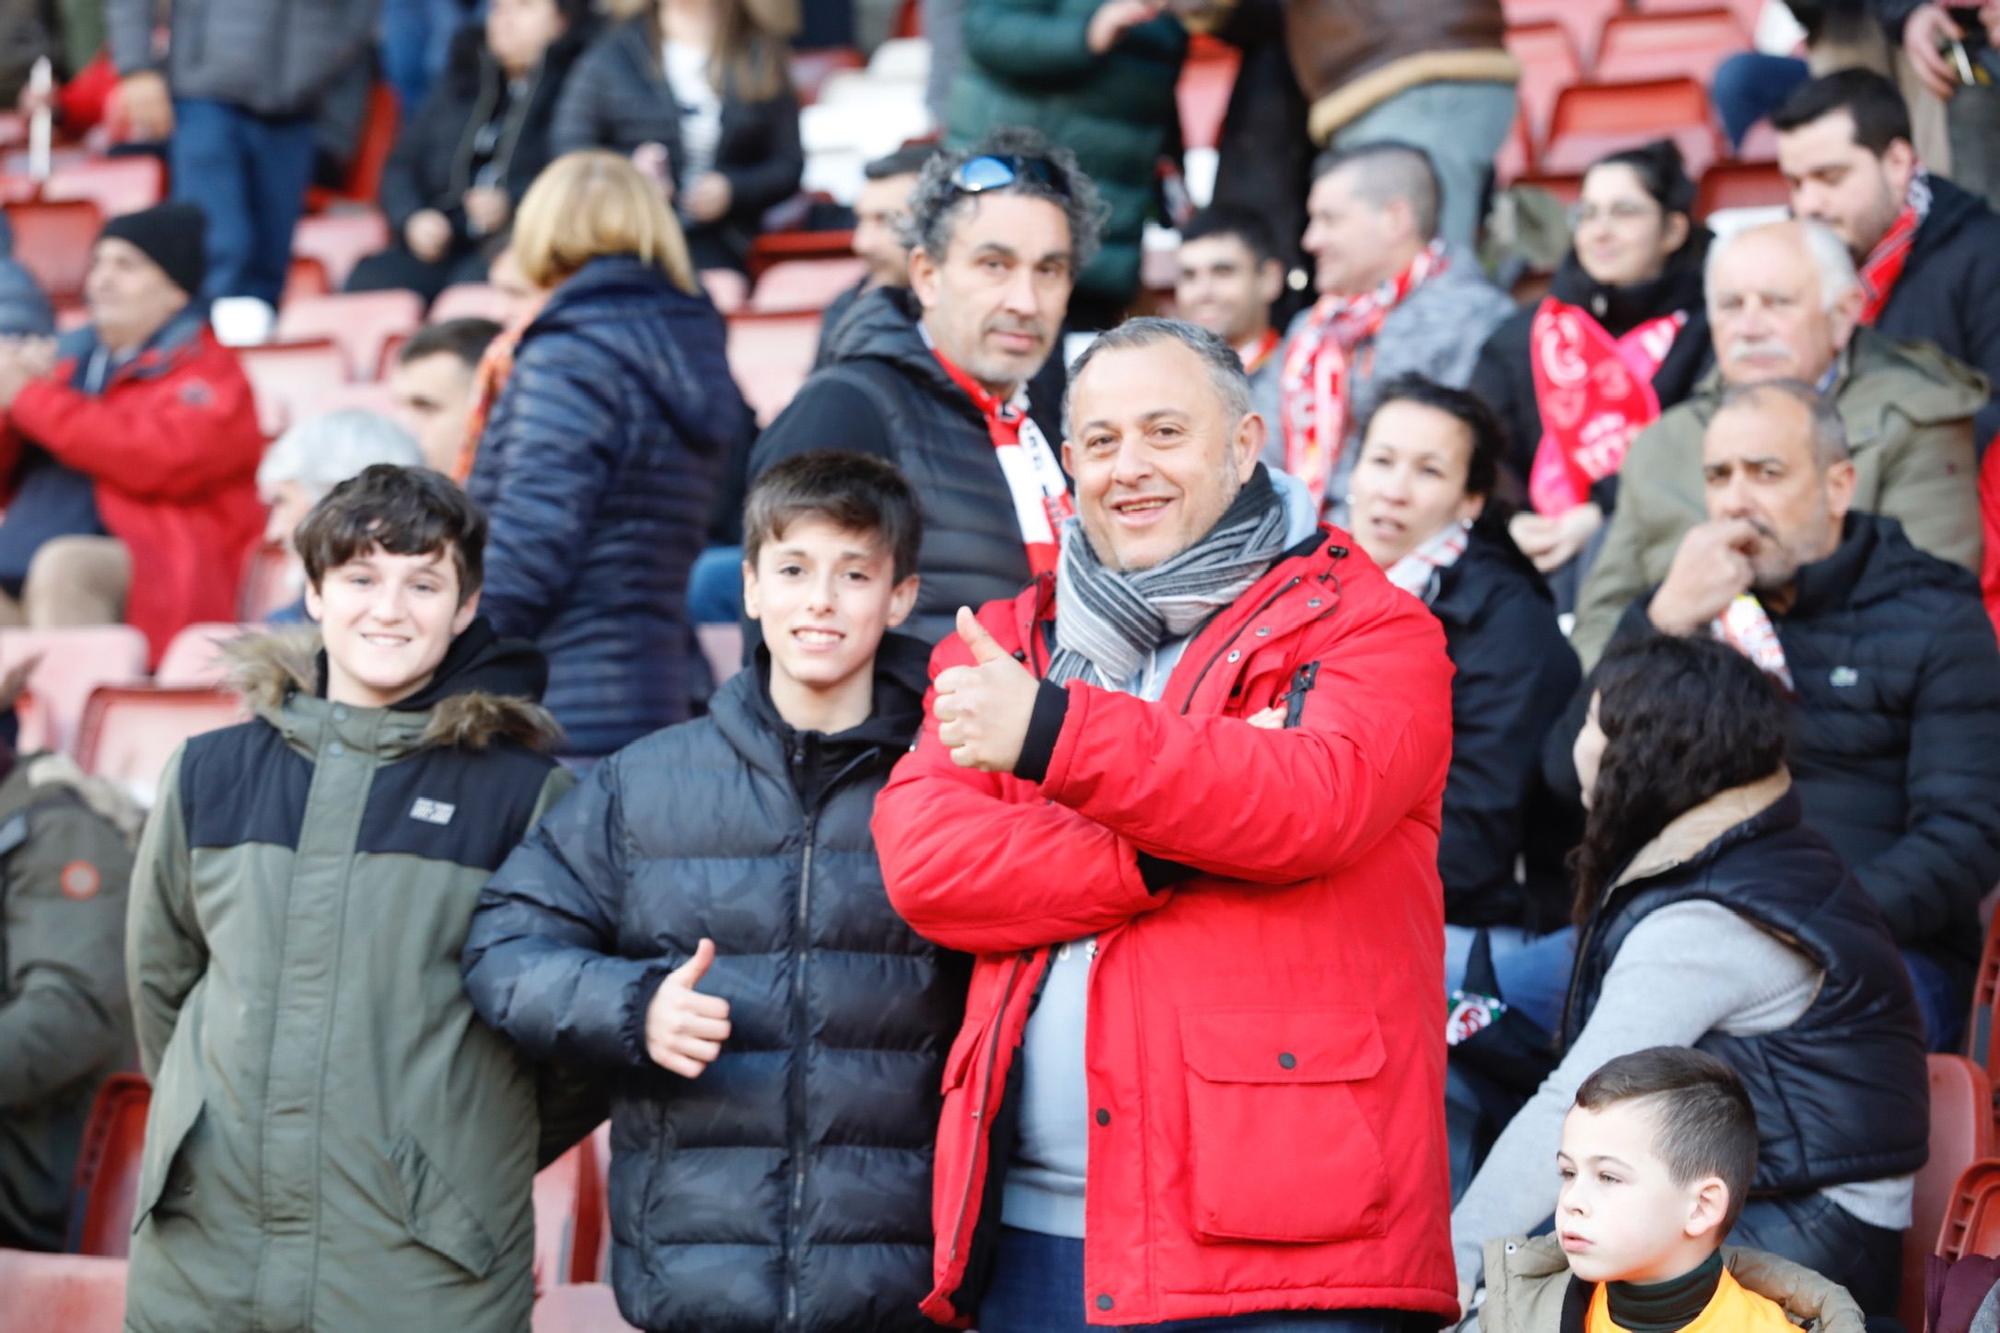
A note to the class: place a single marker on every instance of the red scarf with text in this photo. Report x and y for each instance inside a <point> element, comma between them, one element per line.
<point>1313,386</point>
<point>1595,394</point>
<point>1034,478</point>
<point>1884,264</point>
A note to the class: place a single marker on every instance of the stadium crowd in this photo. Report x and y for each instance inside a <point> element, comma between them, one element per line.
<point>1337,728</point>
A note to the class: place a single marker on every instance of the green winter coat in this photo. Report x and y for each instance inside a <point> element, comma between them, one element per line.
<point>1027,63</point>
<point>336,1141</point>
<point>64,1021</point>
<point>1908,410</point>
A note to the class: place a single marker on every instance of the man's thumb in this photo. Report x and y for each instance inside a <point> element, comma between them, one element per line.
<point>984,648</point>
<point>690,973</point>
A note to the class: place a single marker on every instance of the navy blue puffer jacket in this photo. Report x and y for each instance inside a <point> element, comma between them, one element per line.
<point>596,470</point>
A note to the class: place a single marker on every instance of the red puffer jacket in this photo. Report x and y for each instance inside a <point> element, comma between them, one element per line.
<point>172,443</point>
<point>1265,1057</point>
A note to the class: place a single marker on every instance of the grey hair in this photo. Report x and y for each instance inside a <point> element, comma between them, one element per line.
<point>321,452</point>
<point>1834,265</point>
<point>1829,432</point>
<point>936,204</point>
<point>1388,170</point>
<point>1225,367</point>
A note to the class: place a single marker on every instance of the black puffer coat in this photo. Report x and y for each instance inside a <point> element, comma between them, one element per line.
<point>1895,729</point>
<point>789,1186</point>
<point>1949,292</point>
<point>596,470</point>
<point>1513,676</point>
<point>1505,376</point>
<point>884,393</point>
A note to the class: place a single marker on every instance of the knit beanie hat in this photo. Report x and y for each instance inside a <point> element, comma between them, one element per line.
<point>174,236</point>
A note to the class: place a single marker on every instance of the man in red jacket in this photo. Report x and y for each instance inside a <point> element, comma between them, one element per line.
<point>1181,801</point>
<point>129,453</point>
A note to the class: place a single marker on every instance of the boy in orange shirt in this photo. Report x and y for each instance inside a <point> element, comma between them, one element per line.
<point>1658,1155</point>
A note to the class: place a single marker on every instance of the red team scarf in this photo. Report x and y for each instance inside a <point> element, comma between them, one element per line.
<point>1254,361</point>
<point>1885,262</point>
<point>1595,393</point>
<point>1034,478</point>
<point>1313,387</point>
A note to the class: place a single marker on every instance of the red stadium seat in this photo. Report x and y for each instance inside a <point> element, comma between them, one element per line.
<point>1972,1225</point>
<point>570,1217</point>
<point>1549,64</point>
<point>1664,46</point>
<point>1203,95</point>
<point>378,398</point>
<point>1584,19</point>
<point>1980,1042</point>
<point>1566,189</point>
<point>1516,153</point>
<point>291,380</point>
<point>76,1293</point>
<point>340,240</point>
<point>770,356</point>
<point>73,663</point>
<point>1759,145</point>
<point>804,285</point>
<point>306,277</point>
<point>106,1189</point>
<point>472,300</point>
<point>130,731</point>
<point>580,1307</point>
<point>53,241</point>
<point>1746,11</point>
<point>371,154</point>
<point>1961,1133</point>
<point>811,69</point>
<point>197,656</point>
<point>1741,185</point>
<point>1593,119</point>
<point>727,289</point>
<point>115,184</point>
<point>600,1140</point>
<point>775,247</point>
<point>359,321</point>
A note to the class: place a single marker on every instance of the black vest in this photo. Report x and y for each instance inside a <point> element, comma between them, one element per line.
<point>1842,1094</point>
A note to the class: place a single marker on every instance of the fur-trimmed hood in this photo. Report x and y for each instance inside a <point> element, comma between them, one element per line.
<point>487,689</point>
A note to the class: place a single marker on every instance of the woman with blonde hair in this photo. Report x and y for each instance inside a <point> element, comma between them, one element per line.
<point>698,94</point>
<point>602,450</point>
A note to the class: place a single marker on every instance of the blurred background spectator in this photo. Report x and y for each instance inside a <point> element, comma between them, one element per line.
<point>1229,278</point>
<point>1951,49</point>
<point>881,233</point>
<point>433,383</point>
<point>308,461</point>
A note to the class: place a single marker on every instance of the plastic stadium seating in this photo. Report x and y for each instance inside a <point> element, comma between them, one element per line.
<point>359,321</point>
<point>115,184</point>
<point>1741,185</point>
<point>727,289</point>
<point>1584,19</point>
<point>1980,1043</point>
<point>53,240</point>
<point>197,654</point>
<point>106,1189</point>
<point>73,1293</point>
<point>770,356</point>
<point>798,286</point>
<point>1549,64</point>
<point>569,1217</point>
<point>290,379</point>
<point>340,240</point>
<point>1746,11</point>
<point>1566,188</point>
<point>469,300</point>
<point>1203,95</point>
<point>1972,1226</point>
<point>776,247</point>
<point>129,732</point>
<point>378,398</point>
<point>1593,119</point>
<point>581,1307</point>
<point>371,154</point>
<point>1673,45</point>
<point>73,663</point>
<point>1961,1133</point>
<point>306,277</point>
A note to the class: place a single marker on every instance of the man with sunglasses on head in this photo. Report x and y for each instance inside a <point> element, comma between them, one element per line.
<point>934,378</point>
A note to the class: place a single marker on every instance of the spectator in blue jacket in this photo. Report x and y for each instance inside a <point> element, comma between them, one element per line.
<point>599,459</point>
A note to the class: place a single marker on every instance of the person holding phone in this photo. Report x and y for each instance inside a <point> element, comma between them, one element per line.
<point>1951,48</point>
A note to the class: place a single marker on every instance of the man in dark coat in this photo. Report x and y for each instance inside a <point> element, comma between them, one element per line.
<point>1928,252</point>
<point>935,378</point>
<point>881,234</point>
<point>1888,658</point>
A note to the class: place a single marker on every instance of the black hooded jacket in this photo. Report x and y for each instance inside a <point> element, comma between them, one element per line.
<point>1949,291</point>
<point>789,1186</point>
<point>1505,377</point>
<point>884,393</point>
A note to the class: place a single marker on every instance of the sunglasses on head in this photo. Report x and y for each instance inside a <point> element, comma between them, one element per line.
<point>977,175</point>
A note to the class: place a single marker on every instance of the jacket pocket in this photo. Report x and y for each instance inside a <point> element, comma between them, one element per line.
<point>1278,1146</point>
<point>436,1214</point>
<point>174,1119</point>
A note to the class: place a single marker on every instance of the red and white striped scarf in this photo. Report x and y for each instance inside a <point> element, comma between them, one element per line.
<point>1416,570</point>
<point>1746,626</point>
<point>1884,264</point>
<point>1035,479</point>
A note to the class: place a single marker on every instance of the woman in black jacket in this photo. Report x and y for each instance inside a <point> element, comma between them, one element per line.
<point>1622,335</point>
<point>602,451</point>
<point>1429,459</point>
<point>474,147</point>
<point>697,92</point>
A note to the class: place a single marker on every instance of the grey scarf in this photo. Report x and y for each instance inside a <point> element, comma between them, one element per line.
<point>1108,622</point>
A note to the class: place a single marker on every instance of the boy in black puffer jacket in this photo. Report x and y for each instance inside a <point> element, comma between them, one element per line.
<point>705,920</point>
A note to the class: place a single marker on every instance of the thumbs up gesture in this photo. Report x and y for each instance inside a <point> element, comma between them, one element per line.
<point>983,710</point>
<point>684,1028</point>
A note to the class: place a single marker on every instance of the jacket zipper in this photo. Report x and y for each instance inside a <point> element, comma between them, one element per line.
<point>1223,647</point>
<point>797,1090</point>
<point>985,1099</point>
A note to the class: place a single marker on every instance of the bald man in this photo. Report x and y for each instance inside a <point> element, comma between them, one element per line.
<point>1784,303</point>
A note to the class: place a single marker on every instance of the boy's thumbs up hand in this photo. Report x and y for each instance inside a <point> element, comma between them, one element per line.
<point>684,1028</point>
<point>982,711</point>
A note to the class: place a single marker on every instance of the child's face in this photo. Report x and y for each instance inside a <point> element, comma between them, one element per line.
<point>387,621</point>
<point>824,596</point>
<point>1620,1216</point>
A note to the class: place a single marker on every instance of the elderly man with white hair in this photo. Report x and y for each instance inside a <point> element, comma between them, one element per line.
<point>315,456</point>
<point>1784,303</point>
